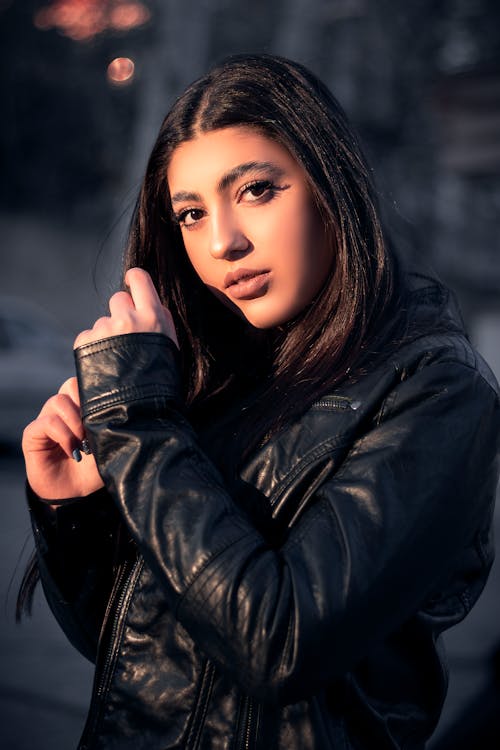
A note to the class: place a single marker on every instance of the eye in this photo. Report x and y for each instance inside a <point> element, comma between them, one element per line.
<point>253,191</point>
<point>188,217</point>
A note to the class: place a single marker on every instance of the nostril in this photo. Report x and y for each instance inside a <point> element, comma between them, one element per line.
<point>233,247</point>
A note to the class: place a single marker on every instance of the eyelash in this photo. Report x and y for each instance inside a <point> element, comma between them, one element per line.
<point>269,190</point>
<point>180,218</point>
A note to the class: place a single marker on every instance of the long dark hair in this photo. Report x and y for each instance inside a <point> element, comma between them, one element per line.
<point>358,312</point>
<point>349,320</point>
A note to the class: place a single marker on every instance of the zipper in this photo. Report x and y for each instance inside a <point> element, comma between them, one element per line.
<point>200,710</point>
<point>249,713</point>
<point>249,725</point>
<point>118,603</point>
<point>336,402</point>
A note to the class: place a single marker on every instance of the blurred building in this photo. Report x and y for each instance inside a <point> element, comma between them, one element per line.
<point>421,80</point>
<point>84,87</point>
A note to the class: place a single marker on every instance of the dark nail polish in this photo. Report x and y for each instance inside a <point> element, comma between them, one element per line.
<point>77,455</point>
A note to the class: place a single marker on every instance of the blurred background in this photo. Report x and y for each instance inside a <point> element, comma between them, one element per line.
<point>84,87</point>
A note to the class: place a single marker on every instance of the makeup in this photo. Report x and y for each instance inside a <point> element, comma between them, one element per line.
<point>245,284</point>
<point>77,452</point>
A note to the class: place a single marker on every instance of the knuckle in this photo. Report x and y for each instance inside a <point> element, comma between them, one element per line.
<point>81,338</point>
<point>54,407</point>
<point>49,421</point>
<point>51,403</point>
<point>119,298</point>
<point>68,385</point>
<point>151,322</point>
<point>28,430</point>
<point>122,324</point>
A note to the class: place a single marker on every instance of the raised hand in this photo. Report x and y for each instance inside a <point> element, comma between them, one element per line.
<point>48,445</point>
<point>138,311</point>
<point>50,440</point>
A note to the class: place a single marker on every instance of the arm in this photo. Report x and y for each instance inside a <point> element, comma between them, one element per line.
<point>75,528</point>
<point>380,536</point>
<point>77,543</point>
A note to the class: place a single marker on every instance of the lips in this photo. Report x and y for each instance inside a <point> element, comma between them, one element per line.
<point>246,283</point>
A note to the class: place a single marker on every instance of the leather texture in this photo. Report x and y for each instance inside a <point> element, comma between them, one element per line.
<point>312,622</point>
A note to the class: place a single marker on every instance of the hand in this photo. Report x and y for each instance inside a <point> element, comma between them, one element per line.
<point>138,312</point>
<point>48,445</point>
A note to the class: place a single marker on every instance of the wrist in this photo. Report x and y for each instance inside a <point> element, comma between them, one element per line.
<point>126,368</point>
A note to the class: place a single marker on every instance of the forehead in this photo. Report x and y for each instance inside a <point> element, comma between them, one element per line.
<point>209,155</point>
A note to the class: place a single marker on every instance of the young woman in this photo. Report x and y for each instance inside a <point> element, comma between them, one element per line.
<point>293,447</point>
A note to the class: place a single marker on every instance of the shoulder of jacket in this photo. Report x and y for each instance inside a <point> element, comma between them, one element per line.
<point>450,351</point>
<point>441,337</point>
<point>439,361</point>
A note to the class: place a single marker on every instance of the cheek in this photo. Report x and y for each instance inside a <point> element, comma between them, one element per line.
<point>314,251</point>
<point>196,257</point>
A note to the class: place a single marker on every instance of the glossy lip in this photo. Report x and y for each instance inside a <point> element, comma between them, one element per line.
<point>245,283</point>
<point>234,277</point>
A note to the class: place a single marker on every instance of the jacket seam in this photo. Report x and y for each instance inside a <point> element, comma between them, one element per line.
<point>87,350</point>
<point>324,448</point>
<point>126,394</point>
<point>280,669</point>
<point>388,413</point>
<point>466,365</point>
<point>319,510</point>
<point>191,582</point>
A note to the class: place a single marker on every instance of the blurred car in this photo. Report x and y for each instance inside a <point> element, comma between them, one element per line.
<point>35,359</point>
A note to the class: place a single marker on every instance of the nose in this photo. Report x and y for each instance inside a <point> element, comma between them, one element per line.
<point>228,239</point>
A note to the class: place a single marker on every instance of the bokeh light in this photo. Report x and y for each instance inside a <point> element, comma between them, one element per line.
<point>121,71</point>
<point>82,20</point>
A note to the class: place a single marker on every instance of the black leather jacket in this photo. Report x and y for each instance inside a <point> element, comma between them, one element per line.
<point>313,626</point>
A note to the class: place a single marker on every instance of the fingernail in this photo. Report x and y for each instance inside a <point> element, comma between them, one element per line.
<point>86,447</point>
<point>77,455</point>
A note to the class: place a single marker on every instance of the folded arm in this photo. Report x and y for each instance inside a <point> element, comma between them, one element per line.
<point>378,537</point>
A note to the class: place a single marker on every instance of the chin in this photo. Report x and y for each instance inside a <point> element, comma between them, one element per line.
<point>256,314</point>
<point>264,321</point>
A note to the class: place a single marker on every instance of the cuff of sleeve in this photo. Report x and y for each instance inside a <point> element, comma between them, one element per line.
<point>129,367</point>
<point>71,515</point>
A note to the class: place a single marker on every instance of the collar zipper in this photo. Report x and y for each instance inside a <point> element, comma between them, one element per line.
<point>336,402</point>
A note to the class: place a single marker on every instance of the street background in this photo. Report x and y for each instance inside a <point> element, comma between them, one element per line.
<point>84,86</point>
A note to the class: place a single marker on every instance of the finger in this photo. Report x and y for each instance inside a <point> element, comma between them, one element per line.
<point>48,431</point>
<point>67,410</point>
<point>120,303</point>
<point>83,338</point>
<point>102,328</point>
<point>142,289</point>
<point>70,388</point>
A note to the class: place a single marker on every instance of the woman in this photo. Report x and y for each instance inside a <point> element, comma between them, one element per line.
<point>293,447</point>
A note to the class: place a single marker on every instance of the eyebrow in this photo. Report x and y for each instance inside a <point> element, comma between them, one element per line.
<point>231,176</point>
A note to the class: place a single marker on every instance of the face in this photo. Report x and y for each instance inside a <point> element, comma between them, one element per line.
<point>250,228</point>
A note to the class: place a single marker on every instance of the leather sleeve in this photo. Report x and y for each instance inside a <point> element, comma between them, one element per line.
<point>76,544</point>
<point>381,534</point>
